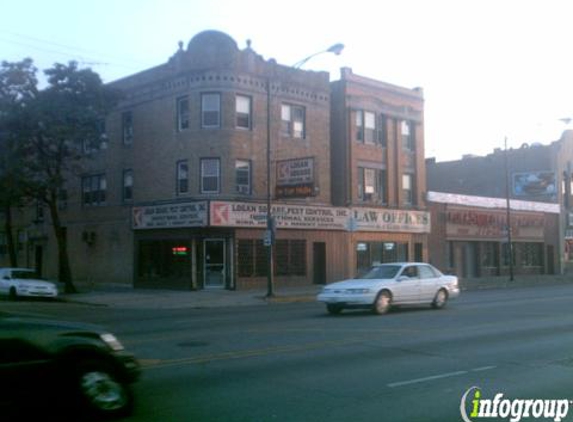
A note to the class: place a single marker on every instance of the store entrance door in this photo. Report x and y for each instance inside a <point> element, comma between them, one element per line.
<point>215,263</point>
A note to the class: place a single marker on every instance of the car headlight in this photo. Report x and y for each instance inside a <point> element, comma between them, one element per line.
<point>357,291</point>
<point>112,342</point>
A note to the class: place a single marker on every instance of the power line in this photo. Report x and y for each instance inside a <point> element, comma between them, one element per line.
<point>131,61</point>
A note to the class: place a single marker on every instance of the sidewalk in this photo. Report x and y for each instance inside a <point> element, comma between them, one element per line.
<point>125,296</point>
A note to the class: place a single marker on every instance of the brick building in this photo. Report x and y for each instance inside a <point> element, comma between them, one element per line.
<point>176,195</point>
<point>469,235</point>
<point>534,173</point>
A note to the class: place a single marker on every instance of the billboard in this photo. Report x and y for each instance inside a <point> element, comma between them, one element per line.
<point>535,185</point>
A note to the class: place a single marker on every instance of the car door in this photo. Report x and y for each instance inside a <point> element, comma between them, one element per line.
<point>429,281</point>
<point>3,281</point>
<point>407,285</point>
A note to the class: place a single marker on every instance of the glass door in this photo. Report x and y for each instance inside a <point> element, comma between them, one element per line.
<point>215,263</point>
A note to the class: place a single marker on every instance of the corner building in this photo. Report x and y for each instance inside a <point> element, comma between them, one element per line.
<point>175,196</point>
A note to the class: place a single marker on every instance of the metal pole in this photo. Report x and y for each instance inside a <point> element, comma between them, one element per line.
<point>508,214</point>
<point>269,233</point>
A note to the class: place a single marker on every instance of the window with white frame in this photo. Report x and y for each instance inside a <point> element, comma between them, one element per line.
<point>372,185</point>
<point>182,177</point>
<point>210,110</point>
<point>293,121</point>
<point>243,176</point>
<point>182,113</point>
<point>94,190</point>
<point>243,111</point>
<point>366,127</point>
<point>210,175</point>
<point>408,139</point>
<point>127,192</point>
<point>127,127</point>
<point>408,189</point>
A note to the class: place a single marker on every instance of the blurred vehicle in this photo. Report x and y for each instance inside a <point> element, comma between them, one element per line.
<point>386,285</point>
<point>68,369</point>
<point>23,282</point>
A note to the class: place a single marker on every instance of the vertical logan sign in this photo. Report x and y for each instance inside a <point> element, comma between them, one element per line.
<point>184,214</point>
<point>295,178</point>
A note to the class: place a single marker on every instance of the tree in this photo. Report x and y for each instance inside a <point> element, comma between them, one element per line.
<point>18,89</point>
<point>63,117</point>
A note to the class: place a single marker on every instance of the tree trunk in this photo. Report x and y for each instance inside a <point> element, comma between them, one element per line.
<point>64,269</point>
<point>10,236</point>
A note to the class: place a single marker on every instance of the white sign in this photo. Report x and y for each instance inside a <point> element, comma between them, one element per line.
<point>186,214</point>
<point>239,214</point>
<point>295,172</point>
<point>385,220</point>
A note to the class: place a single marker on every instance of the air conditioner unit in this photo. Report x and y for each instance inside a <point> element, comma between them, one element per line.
<point>244,189</point>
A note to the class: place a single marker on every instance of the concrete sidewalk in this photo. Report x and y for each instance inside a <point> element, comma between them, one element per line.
<point>125,296</point>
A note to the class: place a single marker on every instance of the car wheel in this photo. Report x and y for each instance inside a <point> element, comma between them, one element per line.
<point>382,303</point>
<point>13,294</point>
<point>440,299</point>
<point>101,391</point>
<point>334,309</point>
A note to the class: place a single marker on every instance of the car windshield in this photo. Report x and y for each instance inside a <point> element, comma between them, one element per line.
<point>382,271</point>
<point>26,275</point>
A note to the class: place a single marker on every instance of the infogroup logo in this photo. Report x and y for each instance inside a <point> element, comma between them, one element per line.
<point>473,407</point>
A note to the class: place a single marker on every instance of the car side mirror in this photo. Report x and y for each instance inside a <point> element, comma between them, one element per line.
<point>402,278</point>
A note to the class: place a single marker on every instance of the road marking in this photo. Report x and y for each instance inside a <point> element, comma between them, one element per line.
<point>438,377</point>
<point>242,354</point>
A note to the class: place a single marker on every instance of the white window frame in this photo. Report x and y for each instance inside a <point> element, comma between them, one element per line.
<point>182,175</point>
<point>243,110</point>
<point>207,107</point>
<point>207,174</point>
<point>127,191</point>
<point>291,125</point>
<point>183,115</point>
<point>243,166</point>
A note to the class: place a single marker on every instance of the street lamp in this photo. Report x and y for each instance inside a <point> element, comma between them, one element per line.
<point>271,225</point>
<point>508,215</point>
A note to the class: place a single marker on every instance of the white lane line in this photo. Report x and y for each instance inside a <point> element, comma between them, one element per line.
<point>483,368</point>
<point>426,379</point>
<point>438,377</point>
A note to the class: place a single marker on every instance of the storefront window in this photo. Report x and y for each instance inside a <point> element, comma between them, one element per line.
<point>291,257</point>
<point>489,254</point>
<point>252,258</point>
<point>165,259</point>
<point>531,254</point>
<point>370,253</point>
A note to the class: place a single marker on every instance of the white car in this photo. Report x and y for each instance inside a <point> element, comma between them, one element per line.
<point>20,282</point>
<point>386,285</point>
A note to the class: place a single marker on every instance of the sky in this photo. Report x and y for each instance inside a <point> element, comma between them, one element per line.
<point>490,69</point>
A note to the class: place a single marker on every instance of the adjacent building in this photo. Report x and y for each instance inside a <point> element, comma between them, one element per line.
<point>540,175</point>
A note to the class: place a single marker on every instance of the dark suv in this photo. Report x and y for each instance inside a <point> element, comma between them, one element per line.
<point>62,368</point>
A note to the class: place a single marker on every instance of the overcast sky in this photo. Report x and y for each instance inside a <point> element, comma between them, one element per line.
<point>489,68</point>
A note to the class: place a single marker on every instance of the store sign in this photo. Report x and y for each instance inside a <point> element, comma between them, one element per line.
<point>239,214</point>
<point>187,214</point>
<point>375,219</point>
<point>295,178</point>
<point>491,224</point>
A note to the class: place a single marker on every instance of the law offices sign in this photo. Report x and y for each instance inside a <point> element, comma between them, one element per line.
<point>388,220</point>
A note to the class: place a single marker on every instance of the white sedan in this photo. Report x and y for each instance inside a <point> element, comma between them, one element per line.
<point>17,282</point>
<point>386,285</point>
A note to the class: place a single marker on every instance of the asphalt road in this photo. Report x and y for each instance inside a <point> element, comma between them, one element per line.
<point>293,362</point>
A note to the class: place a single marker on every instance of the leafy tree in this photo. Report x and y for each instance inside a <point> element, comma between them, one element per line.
<point>18,89</point>
<point>63,117</point>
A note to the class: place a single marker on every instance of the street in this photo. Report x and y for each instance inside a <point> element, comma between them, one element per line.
<point>293,362</point>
